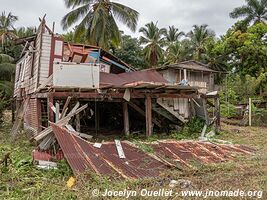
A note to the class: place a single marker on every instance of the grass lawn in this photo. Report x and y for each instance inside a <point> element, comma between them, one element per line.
<point>21,180</point>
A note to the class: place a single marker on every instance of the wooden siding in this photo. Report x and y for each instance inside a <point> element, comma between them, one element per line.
<point>45,57</point>
<point>33,68</point>
<point>205,80</point>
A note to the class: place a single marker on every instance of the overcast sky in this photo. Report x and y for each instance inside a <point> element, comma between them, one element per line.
<point>181,13</point>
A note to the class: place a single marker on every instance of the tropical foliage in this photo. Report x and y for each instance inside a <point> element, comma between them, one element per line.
<point>254,11</point>
<point>7,27</point>
<point>97,22</point>
<point>7,71</point>
<point>152,38</point>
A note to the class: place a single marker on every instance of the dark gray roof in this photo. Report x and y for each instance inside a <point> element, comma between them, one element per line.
<point>191,65</point>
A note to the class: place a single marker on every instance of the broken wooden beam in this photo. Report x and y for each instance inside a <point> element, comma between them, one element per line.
<point>65,108</point>
<point>61,122</point>
<point>19,118</point>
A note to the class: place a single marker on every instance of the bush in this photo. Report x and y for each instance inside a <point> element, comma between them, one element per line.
<point>228,110</point>
<point>191,130</point>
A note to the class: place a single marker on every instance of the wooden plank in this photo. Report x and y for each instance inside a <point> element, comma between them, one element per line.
<point>65,107</point>
<point>19,118</point>
<point>57,112</point>
<point>61,122</point>
<point>126,118</point>
<point>120,149</point>
<point>148,116</point>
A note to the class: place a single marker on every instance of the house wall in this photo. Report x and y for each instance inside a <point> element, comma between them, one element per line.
<point>195,78</point>
<point>33,68</point>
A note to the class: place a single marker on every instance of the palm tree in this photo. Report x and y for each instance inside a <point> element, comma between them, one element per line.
<point>255,11</point>
<point>7,27</point>
<point>98,20</point>
<point>175,53</point>
<point>154,41</point>
<point>173,34</point>
<point>7,72</point>
<point>199,36</point>
<point>25,31</point>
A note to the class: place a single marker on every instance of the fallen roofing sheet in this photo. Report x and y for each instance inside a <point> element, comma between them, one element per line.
<point>183,152</point>
<point>82,155</point>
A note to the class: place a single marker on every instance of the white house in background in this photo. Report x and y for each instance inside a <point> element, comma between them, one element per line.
<point>196,73</point>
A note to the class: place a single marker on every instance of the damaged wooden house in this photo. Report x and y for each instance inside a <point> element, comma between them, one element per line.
<point>196,74</point>
<point>54,77</point>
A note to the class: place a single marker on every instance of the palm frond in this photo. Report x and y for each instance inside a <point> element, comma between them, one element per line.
<point>75,15</point>
<point>126,15</point>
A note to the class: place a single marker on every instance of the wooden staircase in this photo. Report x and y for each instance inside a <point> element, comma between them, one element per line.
<point>168,110</point>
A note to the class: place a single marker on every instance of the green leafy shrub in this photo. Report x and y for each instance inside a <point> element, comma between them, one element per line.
<point>191,130</point>
<point>228,110</point>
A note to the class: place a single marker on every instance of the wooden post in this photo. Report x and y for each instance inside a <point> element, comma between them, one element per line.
<point>148,116</point>
<point>185,76</point>
<point>126,118</point>
<point>218,115</point>
<point>249,112</point>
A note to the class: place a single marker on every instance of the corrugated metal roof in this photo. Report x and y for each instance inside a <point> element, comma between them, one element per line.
<point>184,152</point>
<point>82,156</point>
<point>191,65</point>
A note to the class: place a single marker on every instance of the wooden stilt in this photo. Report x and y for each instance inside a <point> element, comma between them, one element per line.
<point>126,118</point>
<point>148,116</point>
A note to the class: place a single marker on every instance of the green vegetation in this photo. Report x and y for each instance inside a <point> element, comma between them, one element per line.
<point>22,180</point>
<point>255,11</point>
<point>98,24</point>
<point>191,130</point>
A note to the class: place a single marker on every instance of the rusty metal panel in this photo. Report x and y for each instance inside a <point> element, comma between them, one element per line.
<point>82,156</point>
<point>184,152</point>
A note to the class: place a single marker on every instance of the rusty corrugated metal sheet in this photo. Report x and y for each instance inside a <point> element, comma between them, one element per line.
<point>82,156</point>
<point>184,152</point>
